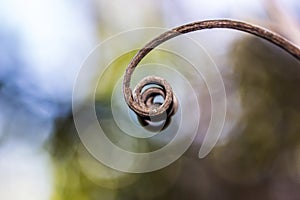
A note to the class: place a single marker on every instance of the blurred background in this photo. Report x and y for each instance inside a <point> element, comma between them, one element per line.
<point>42,47</point>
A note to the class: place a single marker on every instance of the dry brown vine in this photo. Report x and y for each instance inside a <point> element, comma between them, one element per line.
<point>141,102</point>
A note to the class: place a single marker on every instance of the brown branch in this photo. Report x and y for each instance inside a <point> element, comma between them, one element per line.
<point>137,101</point>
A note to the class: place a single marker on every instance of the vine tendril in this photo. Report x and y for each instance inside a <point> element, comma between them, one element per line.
<point>142,101</point>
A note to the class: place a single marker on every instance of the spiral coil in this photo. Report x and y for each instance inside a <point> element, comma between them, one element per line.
<point>141,100</point>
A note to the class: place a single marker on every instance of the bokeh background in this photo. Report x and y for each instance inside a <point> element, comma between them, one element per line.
<point>42,47</point>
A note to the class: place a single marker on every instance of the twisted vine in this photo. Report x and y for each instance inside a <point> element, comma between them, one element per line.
<point>142,101</point>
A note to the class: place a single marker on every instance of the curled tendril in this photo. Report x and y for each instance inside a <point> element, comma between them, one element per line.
<point>142,101</point>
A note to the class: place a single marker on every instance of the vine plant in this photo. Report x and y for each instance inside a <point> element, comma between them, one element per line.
<point>141,100</point>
